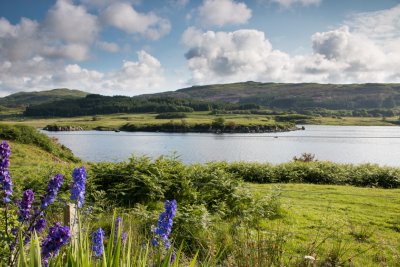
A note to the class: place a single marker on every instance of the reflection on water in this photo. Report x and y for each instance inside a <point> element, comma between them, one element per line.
<point>348,144</point>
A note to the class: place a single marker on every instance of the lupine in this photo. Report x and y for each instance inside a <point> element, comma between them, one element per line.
<point>25,205</point>
<point>118,222</point>
<point>52,190</point>
<point>38,227</point>
<point>164,224</point>
<point>57,237</point>
<point>5,178</point>
<point>97,242</point>
<point>78,185</point>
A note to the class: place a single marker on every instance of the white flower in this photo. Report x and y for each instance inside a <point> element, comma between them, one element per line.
<point>311,258</point>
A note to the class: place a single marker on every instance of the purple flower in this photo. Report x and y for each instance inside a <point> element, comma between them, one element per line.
<point>57,237</point>
<point>14,231</point>
<point>78,185</point>
<point>25,205</point>
<point>164,225</point>
<point>52,189</point>
<point>5,179</point>
<point>118,223</point>
<point>40,225</point>
<point>97,242</point>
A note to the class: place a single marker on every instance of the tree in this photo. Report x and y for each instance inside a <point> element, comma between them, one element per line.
<point>218,122</point>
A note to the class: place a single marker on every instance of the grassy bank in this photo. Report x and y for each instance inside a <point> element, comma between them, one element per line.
<point>223,215</point>
<point>197,121</point>
<point>148,120</point>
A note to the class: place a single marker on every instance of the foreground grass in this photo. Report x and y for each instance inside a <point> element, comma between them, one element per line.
<point>361,225</point>
<point>338,225</point>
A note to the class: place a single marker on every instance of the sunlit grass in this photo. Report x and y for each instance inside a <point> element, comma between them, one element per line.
<point>365,220</point>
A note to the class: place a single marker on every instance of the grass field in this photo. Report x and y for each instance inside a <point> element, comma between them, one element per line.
<point>361,225</point>
<point>115,121</point>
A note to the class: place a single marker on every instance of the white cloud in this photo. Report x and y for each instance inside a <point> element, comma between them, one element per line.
<point>70,23</point>
<point>134,77</point>
<point>232,56</point>
<point>124,17</point>
<point>37,55</point>
<point>67,33</point>
<point>289,3</point>
<point>20,41</point>
<point>144,75</point>
<point>342,55</point>
<point>223,12</point>
<point>104,3</point>
<point>108,46</point>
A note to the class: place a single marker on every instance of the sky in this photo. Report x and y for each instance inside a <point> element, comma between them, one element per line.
<point>131,47</point>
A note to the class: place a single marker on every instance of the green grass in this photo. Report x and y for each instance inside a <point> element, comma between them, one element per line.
<point>332,223</point>
<point>363,221</point>
<point>354,121</point>
<point>115,121</point>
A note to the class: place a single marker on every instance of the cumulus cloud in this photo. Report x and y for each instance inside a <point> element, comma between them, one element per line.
<point>42,55</point>
<point>232,56</point>
<point>108,46</point>
<point>223,12</point>
<point>70,23</point>
<point>342,55</point>
<point>67,32</point>
<point>104,3</point>
<point>289,3</point>
<point>124,17</point>
<point>142,76</point>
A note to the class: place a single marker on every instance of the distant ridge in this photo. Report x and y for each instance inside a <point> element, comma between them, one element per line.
<point>25,99</point>
<point>292,95</point>
<point>299,97</point>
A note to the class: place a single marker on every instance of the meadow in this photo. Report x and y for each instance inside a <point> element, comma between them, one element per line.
<point>118,121</point>
<point>228,214</point>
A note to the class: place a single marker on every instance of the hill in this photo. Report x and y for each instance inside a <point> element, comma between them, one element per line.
<point>361,100</point>
<point>301,95</point>
<point>24,99</point>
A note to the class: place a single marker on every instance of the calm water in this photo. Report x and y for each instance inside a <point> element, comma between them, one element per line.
<point>349,144</point>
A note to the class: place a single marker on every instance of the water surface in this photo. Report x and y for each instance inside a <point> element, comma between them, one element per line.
<point>346,144</point>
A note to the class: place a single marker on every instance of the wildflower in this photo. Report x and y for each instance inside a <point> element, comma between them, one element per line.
<point>57,237</point>
<point>38,227</point>
<point>5,178</point>
<point>118,222</point>
<point>14,231</point>
<point>52,189</point>
<point>25,205</point>
<point>164,225</point>
<point>97,242</point>
<point>78,185</point>
<point>310,258</point>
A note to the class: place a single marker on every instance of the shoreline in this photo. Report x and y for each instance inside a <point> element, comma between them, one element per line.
<point>178,128</point>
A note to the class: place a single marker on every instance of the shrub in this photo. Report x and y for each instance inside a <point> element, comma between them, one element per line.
<point>175,115</point>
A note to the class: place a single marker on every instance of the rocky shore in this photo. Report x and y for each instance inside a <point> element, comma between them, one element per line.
<point>179,128</point>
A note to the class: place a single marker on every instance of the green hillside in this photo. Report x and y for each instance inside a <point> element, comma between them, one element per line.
<point>344,100</point>
<point>302,95</point>
<point>24,99</point>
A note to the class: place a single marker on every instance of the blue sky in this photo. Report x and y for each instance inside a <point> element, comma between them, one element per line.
<point>133,47</point>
